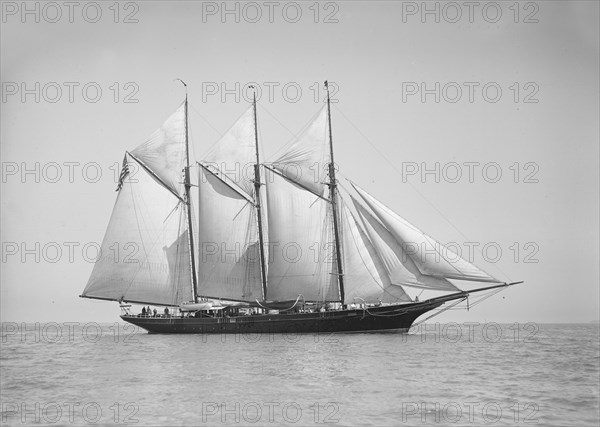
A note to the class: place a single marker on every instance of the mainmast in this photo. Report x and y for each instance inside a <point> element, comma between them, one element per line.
<point>257,185</point>
<point>188,199</point>
<point>333,196</point>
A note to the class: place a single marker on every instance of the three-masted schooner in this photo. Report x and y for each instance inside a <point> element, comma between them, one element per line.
<point>262,247</point>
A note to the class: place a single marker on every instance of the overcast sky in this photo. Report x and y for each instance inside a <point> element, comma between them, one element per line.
<point>517,91</point>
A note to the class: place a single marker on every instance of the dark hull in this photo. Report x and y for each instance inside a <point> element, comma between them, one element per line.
<point>383,318</point>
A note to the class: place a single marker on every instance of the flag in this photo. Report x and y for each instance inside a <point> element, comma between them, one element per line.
<point>124,173</point>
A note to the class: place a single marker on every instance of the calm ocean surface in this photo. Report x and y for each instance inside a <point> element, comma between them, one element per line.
<point>457,374</point>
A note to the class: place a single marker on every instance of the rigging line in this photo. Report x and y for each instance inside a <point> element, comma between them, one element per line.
<point>438,312</point>
<point>240,211</point>
<point>483,298</point>
<point>172,210</point>
<point>223,134</point>
<point>389,162</point>
<point>295,136</point>
<point>177,272</point>
<point>260,136</point>
<point>191,142</point>
<point>251,268</point>
<point>217,131</point>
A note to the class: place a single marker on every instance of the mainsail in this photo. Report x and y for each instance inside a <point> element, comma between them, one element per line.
<point>228,260</point>
<point>301,260</point>
<point>144,254</point>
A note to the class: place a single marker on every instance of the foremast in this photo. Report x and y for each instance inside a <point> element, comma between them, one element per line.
<point>333,197</point>
<point>257,201</point>
<point>188,199</point>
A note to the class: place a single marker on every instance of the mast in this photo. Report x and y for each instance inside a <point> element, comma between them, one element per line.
<point>258,206</point>
<point>188,199</point>
<point>333,195</point>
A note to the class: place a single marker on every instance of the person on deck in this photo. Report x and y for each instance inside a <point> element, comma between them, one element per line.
<point>155,312</point>
<point>143,311</point>
<point>166,311</point>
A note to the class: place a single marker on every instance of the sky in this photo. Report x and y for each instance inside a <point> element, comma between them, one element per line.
<point>479,124</point>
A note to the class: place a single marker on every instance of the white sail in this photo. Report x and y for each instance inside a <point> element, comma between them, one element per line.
<point>164,152</point>
<point>234,155</point>
<point>365,276</point>
<point>145,254</point>
<point>399,265</point>
<point>306,161</point>
<point>228,256</point>
<point>430,257</point>
<point>301,243</point>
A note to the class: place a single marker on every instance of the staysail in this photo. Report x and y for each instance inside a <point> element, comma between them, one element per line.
<point>430,257</point>
<point>399,266</point>
<point>365,276</point>
<point>144,255</point>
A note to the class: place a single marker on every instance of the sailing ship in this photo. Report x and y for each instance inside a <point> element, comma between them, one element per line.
<point>265,247</point>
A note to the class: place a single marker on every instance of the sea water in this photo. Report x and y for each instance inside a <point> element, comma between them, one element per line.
<point>439,374</point>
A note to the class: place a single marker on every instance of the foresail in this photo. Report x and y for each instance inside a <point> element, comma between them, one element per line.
<point>164,152</point>
<point>234,154</point>
<point>307,159</point>
<point>365,277</point>
<point>301,243</point>
<point>431,257</point>
<point>145,253</point>
<point>228,252</point>
<point>400,267</point>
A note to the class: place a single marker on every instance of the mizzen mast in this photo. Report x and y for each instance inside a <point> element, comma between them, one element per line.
<point>257,185</point>
<point>188,200</point>
<point>333,196</point>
